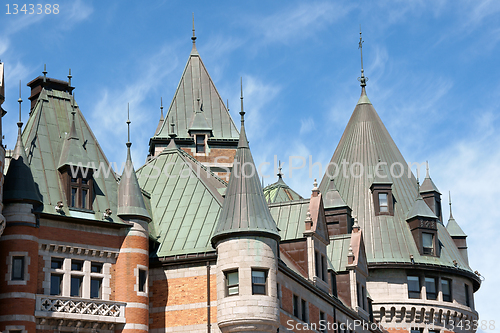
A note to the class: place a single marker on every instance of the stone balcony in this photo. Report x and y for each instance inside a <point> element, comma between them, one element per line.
<point>78,312</point>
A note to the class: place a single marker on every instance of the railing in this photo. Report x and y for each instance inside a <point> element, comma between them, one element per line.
<point>80,309</point>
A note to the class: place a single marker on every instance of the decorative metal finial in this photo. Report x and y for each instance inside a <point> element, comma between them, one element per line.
<point>172,126</point>
<point>427,169</point>
<point>73,106</point>
<point>280,174</point>
<point>69,78</point>
<point>315,185</point>
<point>44,73</point>
<point>449,195</point>
<point>19,123</point>
<point>242,113</point>
<point>227,105</point>
<point>194,36</point>
<point>361,79</point>
<point>128,125</point>
<point>161,108</point>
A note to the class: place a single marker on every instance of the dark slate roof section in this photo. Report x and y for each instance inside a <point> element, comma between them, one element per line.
<point>44,136</point>
<point>428,185</point>
<point>196,82</point>
<point>245,210</point>
<point>280,192</point>
<point>185,202</point>
<point>19,185</point>
<point>387,238</point>
<point>130,199</point>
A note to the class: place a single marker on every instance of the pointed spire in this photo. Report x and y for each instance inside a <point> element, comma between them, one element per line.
<point>194,51</point>
<point>453,228</point>
<point>449,196</point>
<point>44,73</point>
<point>19,185</point>
<point>161,109</point>
<point>243,142</point>
<point>69,77</point>
<point>332,197</point>
<point>244,211</point>
<point>130,200</point>
<point>362,79</point>
<point>428,185</point>
<point>162,119</point>
<point>73,134</point>
<point>279,174</point>
<point>419,207</point>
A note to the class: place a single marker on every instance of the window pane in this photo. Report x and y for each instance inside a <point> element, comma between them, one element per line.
<point>258,289</point>
<point>382,202</point>
<point>84,198</point>
<point>18,268</point>
<point>233,290</point>
<point>467,297</point>
<point>96,267</point>
<point>76,286</point>
<point>85,181</point>
<point>296,306</point>
<point>258,277</point>
<point>142,280</point>
<point>73,197</point>
<point>445,287</point>
<point>56,263</point>
<point>76,265</point>
<point>200,139</point>
<point>55,284</point>
<point>232,278</point>
<point>304,310</point>
<point>427,240</point>
<point>413,287</point>
<point>430,287</point>
<point>95,288</point>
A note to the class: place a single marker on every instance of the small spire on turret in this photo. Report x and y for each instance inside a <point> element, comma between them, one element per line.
<point>362,79</point>
<point>44,73</point>
<point>451,214</point>
<point>128,128</point>
<point>194,35</point>
<point>280,174</point>
<point>242,113</point>
<point>227,105</point>
<point>161,108</point>
<point>19,123</point>
<point>69,77</point>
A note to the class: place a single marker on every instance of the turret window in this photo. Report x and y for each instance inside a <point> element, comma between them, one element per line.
<point>446,290</point>
<point>232,283</point>
<point>413,287</point>
<point>259,278</point>
<point>428,243</point>
<point>17,268</point>
<point>467,296</point>
<point>430,288</point>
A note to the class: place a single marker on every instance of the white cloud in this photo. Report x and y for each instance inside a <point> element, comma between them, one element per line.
<point>306,125</point>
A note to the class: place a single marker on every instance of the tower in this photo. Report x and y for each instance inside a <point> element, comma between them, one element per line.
<point>246,239</point>
<point>19,243</point>
<point>132,264</point>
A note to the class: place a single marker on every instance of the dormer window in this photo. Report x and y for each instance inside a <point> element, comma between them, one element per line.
<point>200,143</point>
<point>427,243</point>
<point>382,202</point>
<point>382,199</point>
<point>78,188</point>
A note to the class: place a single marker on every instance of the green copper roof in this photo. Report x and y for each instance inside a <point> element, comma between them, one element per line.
<point>44,137</point>
<point>245,210</point>
<point>387,238</point>
<point>73,152</point>
<point>332,197</point>
<point>19,185</point>
<point>280,192</point>
<point>196,83</point>
<point>130,199</point>
<point>185,202</point>
<point>199,121</point>
<point>338,251</point>
<point>454,229</point>
<point>420,209</point>
<point>290,217</point>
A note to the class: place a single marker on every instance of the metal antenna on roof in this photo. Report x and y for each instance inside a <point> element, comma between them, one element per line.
<point>242,113</point>
<point>44,73</point>
<point>451,214</point>
<point>69,78</point>
<point>128,126</point>
<point>161,108</point>
<point>280,174</point>
<point>19,123</point>
<point>194,36</point>
<point>361,79</point>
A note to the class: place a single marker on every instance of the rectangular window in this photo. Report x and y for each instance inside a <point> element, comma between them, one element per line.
<point>446,290</point>
<point>333,278</point>
<point>428,243</point>
<point>17,269</point>
<point>84,198</point>
<point>73,201</point>
<point>56,263</point>
<point>76,286</point>
<point>358,293</point>
<point>383,203</point>
<point>55,284</point>
<point>413,287</point>
<point>76,265</point>
<point>95,288</point>
<point>296,306</point>
<point>200,143</point>
<point>467,295</point>
<point>96,267</point>
<point>303,305</point>
<point>322,322</point>
<point>316,263</point>
<point>232,283</point>
<point>142,280</point>
<point>259,278</point>
<point>323,268</point>
<point>278,292</point>
<point>363,297</point>
<point>430,288</point>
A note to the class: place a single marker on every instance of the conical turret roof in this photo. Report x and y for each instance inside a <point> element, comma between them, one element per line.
<point>332,197</point>
<point>420,209</point>
<point>453,228</point>
<point>428,185</point>
<point>130,200</point>
<point>244,211</point>
<point>72,152</point>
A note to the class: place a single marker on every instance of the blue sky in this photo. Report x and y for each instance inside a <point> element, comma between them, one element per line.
<point>432,67</point>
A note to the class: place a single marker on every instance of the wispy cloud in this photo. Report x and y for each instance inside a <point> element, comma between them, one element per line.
<point>306,125</point>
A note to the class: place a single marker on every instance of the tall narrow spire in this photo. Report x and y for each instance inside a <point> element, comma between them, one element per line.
<point>130,200</point>
<point>72,133</point>
<point>161,108</point>
<point>449,196</point>
<point>19,149</point>
<point>243,142</point>
<point>44,73</point>
<point>194,51</point>
<point>362,79</point>
<point>69,77</point>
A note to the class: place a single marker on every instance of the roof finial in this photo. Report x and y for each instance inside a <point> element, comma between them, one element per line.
<point>161,108</point>
<point>361,79</point>
<point>44,73</point>
<point>69,77</point>
<point>427,169</point>
<point>451,214</point>
<point>280,174</point>
<point>194,36</point>
<point>242,113</point>
<point>19,123</point>
<point>128,126</point>
<point>227,105</point>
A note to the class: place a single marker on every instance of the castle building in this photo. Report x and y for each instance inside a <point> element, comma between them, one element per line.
<point>191,242</point>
